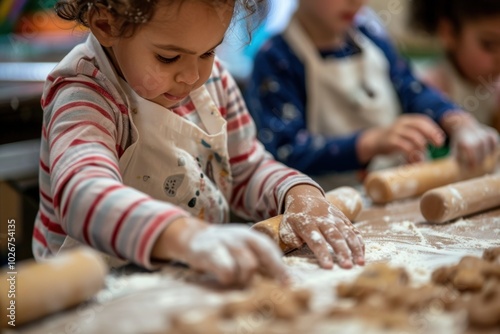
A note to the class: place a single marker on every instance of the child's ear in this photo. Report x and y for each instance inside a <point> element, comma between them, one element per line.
<point>447,33</point>
<point>104,25</point>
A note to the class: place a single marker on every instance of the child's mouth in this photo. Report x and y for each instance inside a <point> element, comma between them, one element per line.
<point>175,97</point>
<point>349,17</point>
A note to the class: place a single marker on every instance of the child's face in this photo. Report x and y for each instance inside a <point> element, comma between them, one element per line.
<point>332,16</point>
<point>173,53</point>
<point>476,49</point>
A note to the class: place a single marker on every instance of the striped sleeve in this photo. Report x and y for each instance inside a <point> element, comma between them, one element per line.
<point>82,194</point>
<point>260,183</point>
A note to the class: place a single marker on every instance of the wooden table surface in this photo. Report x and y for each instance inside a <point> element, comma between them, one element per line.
<point>135,301</point>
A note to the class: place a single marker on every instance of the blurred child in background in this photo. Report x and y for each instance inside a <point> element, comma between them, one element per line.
<point>331,93</point>
<point>469,71</point>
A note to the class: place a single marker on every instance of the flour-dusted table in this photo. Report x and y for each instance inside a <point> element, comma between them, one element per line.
<point>135,301</point>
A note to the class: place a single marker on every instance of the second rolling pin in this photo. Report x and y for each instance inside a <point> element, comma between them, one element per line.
<point>412,180</point>
<point>37,289</point>
<point>347,199</point>
<point>461,199</point>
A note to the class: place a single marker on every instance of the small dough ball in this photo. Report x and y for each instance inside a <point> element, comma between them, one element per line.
<point>492,254</point>
<point>468,280</point>
<point>443,275</point>
<point>195,322</point>
<point>378,277</point>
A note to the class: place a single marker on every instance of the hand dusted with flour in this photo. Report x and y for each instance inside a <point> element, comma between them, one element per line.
<point>232,253</point>
<point>309,217</point>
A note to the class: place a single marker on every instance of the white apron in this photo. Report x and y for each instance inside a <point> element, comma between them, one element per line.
<point>174,160</point>
<point>345,95</point>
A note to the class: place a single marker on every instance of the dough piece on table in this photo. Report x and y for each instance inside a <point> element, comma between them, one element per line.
<point>415,299</point>
<point>492,254</point>
<point>195,322</point>
<point>468,275</point>
<point>477,280</point>
<point>384,296</point>
<point>270,299</point>
<point>381,317</point>
<point>264,299</point>
<point>377,277</point>
<point>483,309</point>
<point>468,280</point>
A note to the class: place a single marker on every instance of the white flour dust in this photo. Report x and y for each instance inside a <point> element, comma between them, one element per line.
<point>144,302</point>
<point>417,247</point>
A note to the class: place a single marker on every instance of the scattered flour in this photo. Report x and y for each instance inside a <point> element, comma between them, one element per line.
<point>140,302</point>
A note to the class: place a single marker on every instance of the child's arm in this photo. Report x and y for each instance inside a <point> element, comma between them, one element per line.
<point>82,194</point>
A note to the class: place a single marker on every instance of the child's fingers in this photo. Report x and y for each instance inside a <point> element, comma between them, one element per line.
<point>493,140</point>
<point>315,239</point>
<point>355,243</point>
<point>269,256</point>
<point>468,154</point>
<point>359,260</point>
<point>475,144</point>
<point>337,240</point>
<point>246,265</point>
<point>407,148</point>
<point>414,138</point>
<point>221,264</point>
<point>427,128</point>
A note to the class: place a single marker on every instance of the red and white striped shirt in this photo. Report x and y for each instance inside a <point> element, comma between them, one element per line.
<point>86,129</point>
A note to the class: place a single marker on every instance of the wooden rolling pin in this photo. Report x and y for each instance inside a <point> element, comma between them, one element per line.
<point>33,290</point>
<point>414,179</point>
<point>347,199</point>
<point>461,199</point>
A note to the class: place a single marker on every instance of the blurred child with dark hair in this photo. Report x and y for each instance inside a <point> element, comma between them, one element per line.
<point>469,71</point>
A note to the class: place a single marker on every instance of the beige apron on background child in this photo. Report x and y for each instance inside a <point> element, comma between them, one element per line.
<point>345,95</point>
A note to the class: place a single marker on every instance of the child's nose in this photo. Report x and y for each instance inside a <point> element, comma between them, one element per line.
<point>188,74</point>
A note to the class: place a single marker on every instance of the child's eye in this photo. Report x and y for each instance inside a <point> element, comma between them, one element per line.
<point>167,60</point>
<point>209,54</point>
<point>490,46</point>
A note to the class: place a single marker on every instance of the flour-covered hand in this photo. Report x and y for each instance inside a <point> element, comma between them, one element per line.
<point>471,141</point>
<point>310,218</point>
<point>232,253</point>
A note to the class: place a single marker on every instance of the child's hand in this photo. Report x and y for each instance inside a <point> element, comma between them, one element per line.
<point>409,134</point>
<point>232,253</point>
<point>310,218</point>
<point>471,141</point>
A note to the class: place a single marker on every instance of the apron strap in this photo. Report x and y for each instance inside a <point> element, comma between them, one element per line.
<point>208,111</point>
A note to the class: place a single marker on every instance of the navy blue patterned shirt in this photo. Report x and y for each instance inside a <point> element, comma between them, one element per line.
<point>276,97</point>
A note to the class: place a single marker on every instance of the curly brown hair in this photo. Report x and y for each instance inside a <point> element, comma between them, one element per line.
<point>132,13</point>
<point>426,14</point>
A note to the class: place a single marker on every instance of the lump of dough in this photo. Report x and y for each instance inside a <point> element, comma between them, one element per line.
<point>378,277</point>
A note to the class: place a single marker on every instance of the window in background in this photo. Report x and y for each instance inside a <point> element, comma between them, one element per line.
<point>237,52</point>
